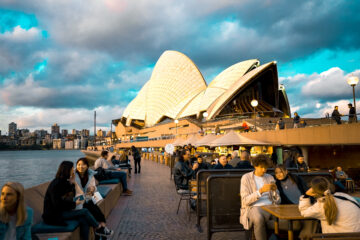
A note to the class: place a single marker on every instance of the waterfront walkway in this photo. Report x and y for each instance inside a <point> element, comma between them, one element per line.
<point>151,212</point>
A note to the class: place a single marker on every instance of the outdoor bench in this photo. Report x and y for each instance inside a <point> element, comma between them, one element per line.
<point>34,198</point>
<point>336,236</point>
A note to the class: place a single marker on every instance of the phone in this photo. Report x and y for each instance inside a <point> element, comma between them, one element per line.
<point>81,198</point>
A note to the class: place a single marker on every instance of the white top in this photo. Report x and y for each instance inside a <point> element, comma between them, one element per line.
<point>347,220</point>
<point>11,232</point>
<point>263,198</point>
<point>102,162</point>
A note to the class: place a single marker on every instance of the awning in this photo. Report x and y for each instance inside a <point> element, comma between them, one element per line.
<point>205,141</point>
<point>233,138</point>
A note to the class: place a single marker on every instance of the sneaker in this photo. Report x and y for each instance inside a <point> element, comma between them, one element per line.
<point>104,232</point>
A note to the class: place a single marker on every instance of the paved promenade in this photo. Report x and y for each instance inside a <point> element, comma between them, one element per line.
<point>151,212</point>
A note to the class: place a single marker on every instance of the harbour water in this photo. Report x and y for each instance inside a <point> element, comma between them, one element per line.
<point>32,168</point>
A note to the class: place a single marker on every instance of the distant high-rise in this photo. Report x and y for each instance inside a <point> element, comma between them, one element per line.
<point>12,129</point>
<point>64,132</point>
<point>55,131</point>
<point>85,132</point>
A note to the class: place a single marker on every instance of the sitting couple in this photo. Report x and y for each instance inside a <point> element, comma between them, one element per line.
<point>259,189</point>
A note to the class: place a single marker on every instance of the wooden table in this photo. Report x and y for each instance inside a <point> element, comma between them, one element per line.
<point>289,212</point>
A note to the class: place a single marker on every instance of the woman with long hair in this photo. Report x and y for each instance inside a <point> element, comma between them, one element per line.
<point>60,203</point>
<point>290,186</point>
<point>85,186</point>
<point>337,212</point>
<point>15,217</point>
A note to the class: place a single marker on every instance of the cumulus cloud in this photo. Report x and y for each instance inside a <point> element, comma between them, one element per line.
<point>329,85</point>
<point>21,35</point>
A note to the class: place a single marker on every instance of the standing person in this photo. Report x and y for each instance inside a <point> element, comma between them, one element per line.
<point>280,124</point>
<point>338,212</point>
<point>137,159</point>
<point>257,189</point>
<point>15,217</point>
<point>59,204</point>
<point>112,171</point>
<point>352,115</point>
<point>296,120</point>
<point>85,186</point>
<point>336,115</point>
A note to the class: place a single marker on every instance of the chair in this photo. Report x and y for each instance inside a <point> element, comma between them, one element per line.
<point>350,185</point>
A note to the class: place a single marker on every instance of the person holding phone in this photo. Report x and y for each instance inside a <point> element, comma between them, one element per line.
<point>257,189</point>
<point>85,187</point>
<point>59,204</point>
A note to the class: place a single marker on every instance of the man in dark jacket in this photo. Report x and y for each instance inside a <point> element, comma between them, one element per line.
<point>244,161</point>
<point>352,113</point>
<point>137,159</point>
<point>223,163</point>
<point>182,171</point>
<point>336,115</point>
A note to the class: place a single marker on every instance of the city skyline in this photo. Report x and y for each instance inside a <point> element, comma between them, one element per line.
<point>61,62</point>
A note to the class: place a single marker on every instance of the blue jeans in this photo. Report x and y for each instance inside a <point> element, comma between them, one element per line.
<point>121,176</point>
<point>85,219</point>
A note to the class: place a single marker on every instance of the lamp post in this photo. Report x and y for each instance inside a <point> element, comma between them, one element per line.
<point>254,103</point>
<point>176,122</point>
<point>352,81</point>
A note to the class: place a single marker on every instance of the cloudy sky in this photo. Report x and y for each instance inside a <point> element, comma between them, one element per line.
<point>61,60</point>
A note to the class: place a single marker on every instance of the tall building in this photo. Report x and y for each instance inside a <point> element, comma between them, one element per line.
<point>55,131</point>
<point>40,133</point>
<point>12,129</point>
<point>64,132</point>
<point>73,132</point>
<point>85,132</point>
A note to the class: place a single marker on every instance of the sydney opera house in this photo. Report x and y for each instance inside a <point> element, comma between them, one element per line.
<point>178,90</point>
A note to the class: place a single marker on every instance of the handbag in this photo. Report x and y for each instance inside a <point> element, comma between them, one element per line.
<point>96,197</point>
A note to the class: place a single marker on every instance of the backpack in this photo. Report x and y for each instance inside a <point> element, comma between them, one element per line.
<point>101,174</point>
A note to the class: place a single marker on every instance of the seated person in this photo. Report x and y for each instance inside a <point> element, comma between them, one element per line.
<point>341,175</point>
<point>15,217</point>
<point>59,204</point>
<point>234,158</point>
<point>300,164</point>
<point>85,186</point>
<point>199,164</point>
<point>257,189</point>
<point>290,186</point>
<point>212,163</point>
<point>182,171</point>
<point>223,163</point>
<point>338,212</point>
<point>244,162</point>
<point>112,171</point>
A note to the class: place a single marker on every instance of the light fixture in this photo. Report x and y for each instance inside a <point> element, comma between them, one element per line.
<point>176,121</point>
<point>205,114</point>
<point>254,103</point>
<point>353,80</point>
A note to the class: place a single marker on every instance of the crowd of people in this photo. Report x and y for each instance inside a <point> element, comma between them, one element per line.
<point>71,195</point>
<point>337,211</point>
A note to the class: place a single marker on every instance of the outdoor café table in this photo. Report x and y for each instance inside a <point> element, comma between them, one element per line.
<point>289,212</point>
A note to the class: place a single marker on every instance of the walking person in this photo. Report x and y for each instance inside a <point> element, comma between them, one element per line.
<point>336,115</point>
<point>137,159</point>
<point>15,217</point>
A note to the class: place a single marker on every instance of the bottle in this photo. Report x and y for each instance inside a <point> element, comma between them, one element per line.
<point>273,195</point>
